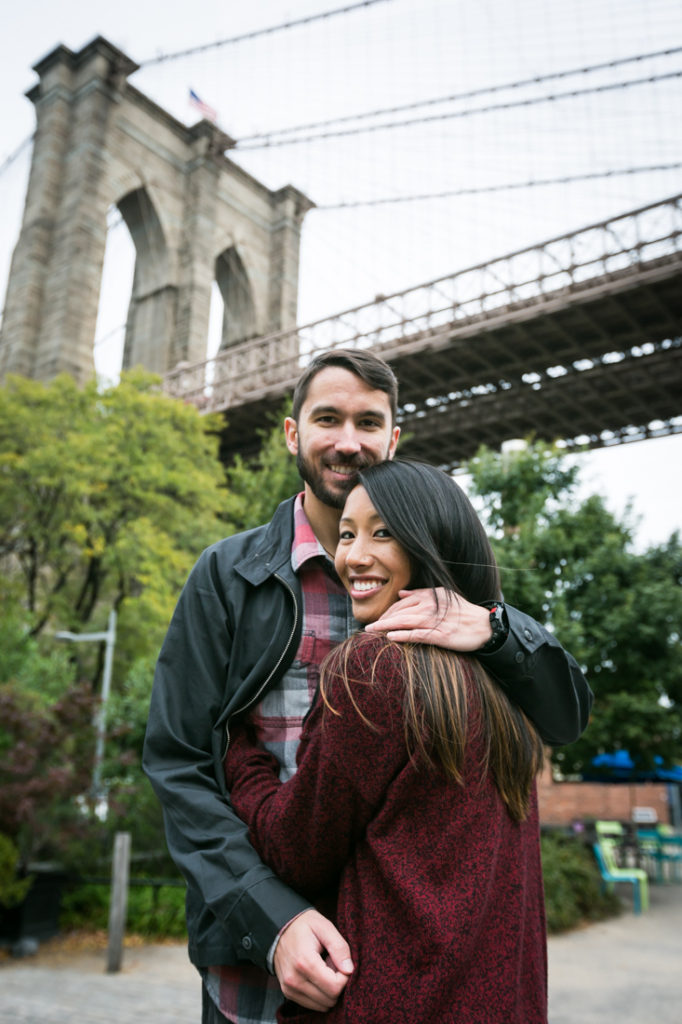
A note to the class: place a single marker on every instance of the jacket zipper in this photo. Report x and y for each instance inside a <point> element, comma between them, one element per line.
<point>263,686</point>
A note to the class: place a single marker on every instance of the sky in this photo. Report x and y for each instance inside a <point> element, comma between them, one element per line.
<point>416,55</point>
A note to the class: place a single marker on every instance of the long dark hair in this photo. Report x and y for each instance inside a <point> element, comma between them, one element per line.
<point>448,696</point>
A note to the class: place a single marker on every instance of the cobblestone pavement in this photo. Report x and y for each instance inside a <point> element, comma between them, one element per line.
<point>628,970</point>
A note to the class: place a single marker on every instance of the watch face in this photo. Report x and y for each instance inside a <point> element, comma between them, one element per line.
<point>498,626</point>
<point>497,621</point>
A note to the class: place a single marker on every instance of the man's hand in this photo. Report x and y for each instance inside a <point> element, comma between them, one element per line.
<point>299,965</point>
<point>454,623</point>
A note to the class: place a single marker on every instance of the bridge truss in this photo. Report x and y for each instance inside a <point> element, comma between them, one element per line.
<point>576,340</point>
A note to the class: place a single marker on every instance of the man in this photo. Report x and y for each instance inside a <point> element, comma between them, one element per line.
<point>256,617</point>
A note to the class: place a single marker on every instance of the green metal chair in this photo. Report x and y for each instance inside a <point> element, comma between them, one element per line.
<point>605,852</point>
<point>609,828</point>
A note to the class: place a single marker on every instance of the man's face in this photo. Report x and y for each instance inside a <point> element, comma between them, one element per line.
<point>343,426</point>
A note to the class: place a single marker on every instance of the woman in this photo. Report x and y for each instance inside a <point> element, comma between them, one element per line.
<point>412,818</point>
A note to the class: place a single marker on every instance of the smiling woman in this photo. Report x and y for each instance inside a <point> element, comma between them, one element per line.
<point>371,564</point>
<point>412,816</point>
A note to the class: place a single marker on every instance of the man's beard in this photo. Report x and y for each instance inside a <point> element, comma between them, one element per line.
<point>337,497</point>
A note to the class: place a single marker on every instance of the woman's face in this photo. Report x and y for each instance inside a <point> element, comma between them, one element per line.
<point>371,564</point>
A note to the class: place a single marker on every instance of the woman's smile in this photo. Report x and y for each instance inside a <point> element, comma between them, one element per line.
<point>373,567</point>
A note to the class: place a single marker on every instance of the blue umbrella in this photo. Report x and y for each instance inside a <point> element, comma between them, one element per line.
<point>619,766</point>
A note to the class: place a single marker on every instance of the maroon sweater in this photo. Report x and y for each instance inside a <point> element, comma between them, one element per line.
<point>438,892</point>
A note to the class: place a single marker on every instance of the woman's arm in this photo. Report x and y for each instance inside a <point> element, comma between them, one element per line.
<point>305,829</point>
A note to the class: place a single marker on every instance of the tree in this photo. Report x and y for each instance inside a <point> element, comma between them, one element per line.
<point>256,486</point>
<point>107,498</point>
<point>573,566</point>
<point>46,757</point>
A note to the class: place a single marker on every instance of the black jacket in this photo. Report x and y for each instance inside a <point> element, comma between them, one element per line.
<point>234,633</point>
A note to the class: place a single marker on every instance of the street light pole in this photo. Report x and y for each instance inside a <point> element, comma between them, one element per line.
<point>110,639</point>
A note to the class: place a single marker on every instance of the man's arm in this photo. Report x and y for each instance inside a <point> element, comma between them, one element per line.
<point>226,878</point>
<point>532,666</point>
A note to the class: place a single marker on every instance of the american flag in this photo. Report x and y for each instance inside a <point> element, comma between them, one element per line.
<point>208,112</point>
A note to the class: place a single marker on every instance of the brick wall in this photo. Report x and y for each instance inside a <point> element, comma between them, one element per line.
<point>564,802</point>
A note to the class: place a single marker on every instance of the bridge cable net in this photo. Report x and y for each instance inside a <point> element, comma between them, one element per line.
<point>522,171</point>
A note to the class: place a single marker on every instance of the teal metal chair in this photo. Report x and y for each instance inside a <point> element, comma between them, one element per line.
<point>661,846</point>
<point>605,852</point>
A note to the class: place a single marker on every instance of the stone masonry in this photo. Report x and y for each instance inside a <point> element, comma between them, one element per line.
<point>194,216</point>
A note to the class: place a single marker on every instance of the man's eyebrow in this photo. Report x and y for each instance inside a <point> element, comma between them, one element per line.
<point>377,414</point>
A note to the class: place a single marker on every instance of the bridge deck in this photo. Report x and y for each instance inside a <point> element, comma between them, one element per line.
<point>576,340</point>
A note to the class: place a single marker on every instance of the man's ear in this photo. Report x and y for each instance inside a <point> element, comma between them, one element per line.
<point>291,435</point>
<point>395,434</point>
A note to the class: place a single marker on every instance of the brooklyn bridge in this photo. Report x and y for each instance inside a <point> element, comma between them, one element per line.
<point>576,340</point>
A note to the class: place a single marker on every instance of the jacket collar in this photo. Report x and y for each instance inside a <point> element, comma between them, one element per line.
<point>273,554</point>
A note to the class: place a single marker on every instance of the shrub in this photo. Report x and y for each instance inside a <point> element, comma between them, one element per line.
<point>154,911</point>
<point>573,891</point>
<point>46,757</point>
<point>13,889</point>
<point>573,894</point>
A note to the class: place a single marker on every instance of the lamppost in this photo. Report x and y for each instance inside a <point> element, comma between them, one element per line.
<point>110,638</point>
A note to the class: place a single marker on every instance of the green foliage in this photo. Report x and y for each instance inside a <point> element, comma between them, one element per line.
<point>572,566</point>
<point>84,906</point>
<point>255,487</point>
<point>573,894</point>
<point>45,674</point>
<point>573,891</point>
<point>521,487</point>
<point>13,889</point>
<point>157,912</point>
<point>107,499</point>
<point>153,911</point>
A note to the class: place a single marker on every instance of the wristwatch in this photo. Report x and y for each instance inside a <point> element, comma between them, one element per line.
<point>499,626</point>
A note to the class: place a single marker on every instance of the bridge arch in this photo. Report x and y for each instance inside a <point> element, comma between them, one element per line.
<point>152,307</point>
<point>239,310</point>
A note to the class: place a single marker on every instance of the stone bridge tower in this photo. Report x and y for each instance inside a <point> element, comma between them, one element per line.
<point>193,214</point>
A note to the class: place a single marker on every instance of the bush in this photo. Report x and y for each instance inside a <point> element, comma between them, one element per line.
<point>573,894</point>
<point>153,911</point>
<point>573,890</point>
<point>46,757</point>
<point>13,889</point>
<point>157,912</point>
<point>84,907</point>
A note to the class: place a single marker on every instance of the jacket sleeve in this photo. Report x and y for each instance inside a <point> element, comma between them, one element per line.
<point>205,837</point>
<point>542,678</point>
<point>306,828</point>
